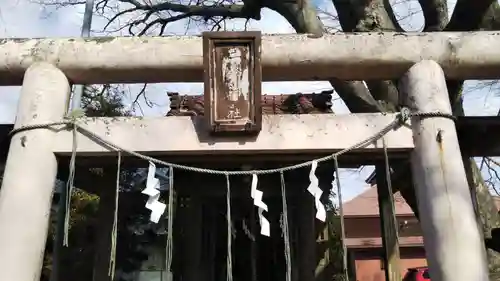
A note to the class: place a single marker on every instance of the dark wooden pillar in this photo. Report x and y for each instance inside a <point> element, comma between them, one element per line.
<point>323,271</point>
<point>253,243</point>
<point>192,239</point>
<point>212,240</point>
<point>293,213</point>
<point>104,229</point>
<point>388,224</point>
<point>307,237</point>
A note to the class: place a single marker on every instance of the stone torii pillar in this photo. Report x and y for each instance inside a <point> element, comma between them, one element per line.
<point>30,174</point>
<point>453,244</point>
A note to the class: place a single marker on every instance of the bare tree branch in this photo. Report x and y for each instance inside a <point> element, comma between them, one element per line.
<point>58,4</point>
<point>182,11</point>
<point>142,93</point>
<point>492,169</point>
<point>330,20</point>
<point>229,11</point>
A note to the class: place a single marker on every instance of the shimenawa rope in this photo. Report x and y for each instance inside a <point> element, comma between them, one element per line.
<point>73,124</point>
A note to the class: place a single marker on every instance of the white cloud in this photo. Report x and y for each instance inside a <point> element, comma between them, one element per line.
<point>20,18</point>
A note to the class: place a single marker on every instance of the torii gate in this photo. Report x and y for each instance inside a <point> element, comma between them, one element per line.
<point>45,67</point>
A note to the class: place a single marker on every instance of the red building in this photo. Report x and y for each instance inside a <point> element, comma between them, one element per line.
<point>363,236</point>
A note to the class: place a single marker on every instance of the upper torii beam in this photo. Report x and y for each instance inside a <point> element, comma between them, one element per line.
<point>349,56</point>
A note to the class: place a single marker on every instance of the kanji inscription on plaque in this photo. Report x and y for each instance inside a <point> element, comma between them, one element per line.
<point>232,81</point>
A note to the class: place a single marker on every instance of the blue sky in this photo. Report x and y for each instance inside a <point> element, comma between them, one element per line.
<point>20,18</point>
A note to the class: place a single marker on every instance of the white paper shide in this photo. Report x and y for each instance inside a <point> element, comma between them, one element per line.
<point>316,192</point>
<point>265,228</point>
<point>153,191</point>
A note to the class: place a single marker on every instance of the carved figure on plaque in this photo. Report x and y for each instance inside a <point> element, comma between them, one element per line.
<point>235,77</point>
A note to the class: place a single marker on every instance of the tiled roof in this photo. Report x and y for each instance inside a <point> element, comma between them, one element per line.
<point>271,104</point>
<point>366,205</point>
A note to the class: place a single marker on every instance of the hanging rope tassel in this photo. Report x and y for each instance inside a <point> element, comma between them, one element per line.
<point>69,186</point>
<point>387,168</point>
<point>341,213</point>
<point>114,231</point>
<point>170,219</point>
<point>286,232</point>
<point>229,269</point>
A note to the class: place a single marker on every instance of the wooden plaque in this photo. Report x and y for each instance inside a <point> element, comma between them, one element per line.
<point>232,81</point>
